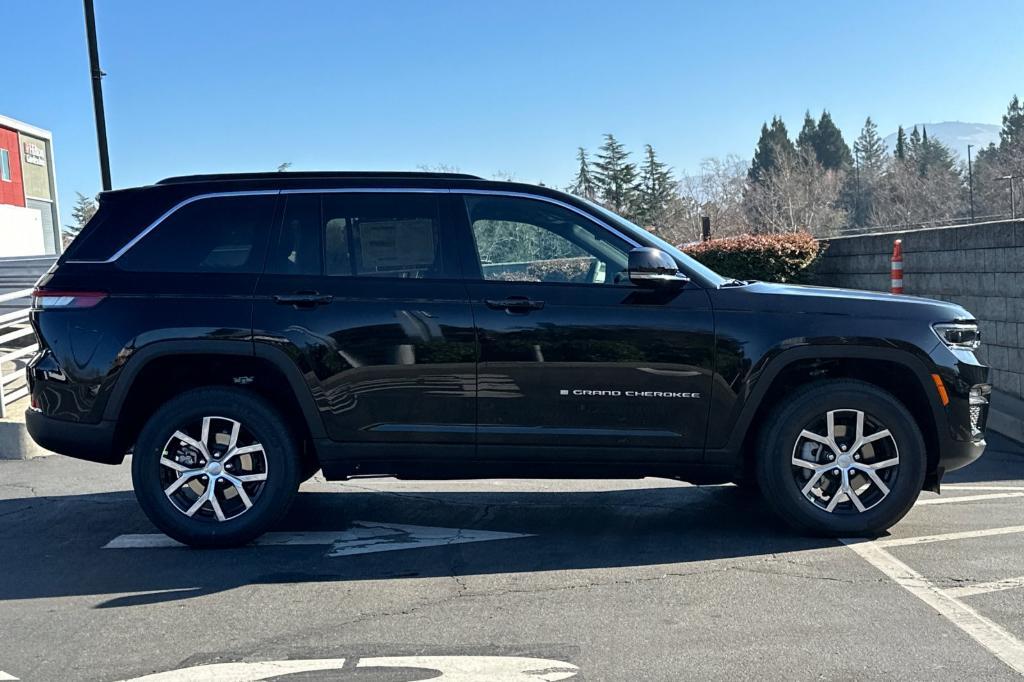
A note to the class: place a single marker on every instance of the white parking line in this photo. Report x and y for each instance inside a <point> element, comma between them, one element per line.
<point>971,486</point>
<point>968,498</point>
<point>985,588</point>
<point>985,632</point>
<point>963,535</point>
<point>6,676</point>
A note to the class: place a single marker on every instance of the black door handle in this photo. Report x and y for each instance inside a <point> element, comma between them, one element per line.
<point>514,304</point>
<point>303,299</point>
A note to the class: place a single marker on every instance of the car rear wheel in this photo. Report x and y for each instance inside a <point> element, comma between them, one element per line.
<point>841,457</point>
<point>215,467</point>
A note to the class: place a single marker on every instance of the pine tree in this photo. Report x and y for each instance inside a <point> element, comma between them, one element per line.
<point>829,146</point>
<point>862,186</point>
<point>584,184</point>
<point>656,189</point>
<point>870,149</point>
<point>934,157</point>
<point>84,209</point>
<point>914,146</point>
<point>901,144</point>
<point>773,146</point>
<point>808,134</point>
<point>995,162</point>
<point>1012,134</point>
<point>615,176</point>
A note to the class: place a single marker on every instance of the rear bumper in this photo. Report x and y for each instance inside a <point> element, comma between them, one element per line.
<point>91,442</point>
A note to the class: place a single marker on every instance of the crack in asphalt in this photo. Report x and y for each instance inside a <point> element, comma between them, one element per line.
<point>464,592</point>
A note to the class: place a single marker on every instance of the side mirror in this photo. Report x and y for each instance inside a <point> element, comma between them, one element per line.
<point>650,267</point>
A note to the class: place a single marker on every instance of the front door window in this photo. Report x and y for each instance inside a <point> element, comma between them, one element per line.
<point>522,240</point>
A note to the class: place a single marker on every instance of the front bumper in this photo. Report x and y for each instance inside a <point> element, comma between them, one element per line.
<point>958,454</point>
<point>91,442</point>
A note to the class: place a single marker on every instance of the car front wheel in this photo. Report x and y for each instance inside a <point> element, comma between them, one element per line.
<point>841,457</point>
<point>215,467</point>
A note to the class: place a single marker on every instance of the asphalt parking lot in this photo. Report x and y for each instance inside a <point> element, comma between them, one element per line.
<point>509,580</point>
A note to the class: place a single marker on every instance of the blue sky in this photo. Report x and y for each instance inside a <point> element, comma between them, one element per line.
<point>222,85</point>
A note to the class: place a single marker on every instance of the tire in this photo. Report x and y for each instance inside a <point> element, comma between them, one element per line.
<point>822,507</point>
<point>266,468</point>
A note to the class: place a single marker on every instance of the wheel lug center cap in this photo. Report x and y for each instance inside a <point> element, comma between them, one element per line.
<point>214,468</point>
<point>844,460</point>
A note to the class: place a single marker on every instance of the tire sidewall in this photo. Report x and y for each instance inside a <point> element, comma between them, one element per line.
<point>775,468</point>
<point>259,419</point>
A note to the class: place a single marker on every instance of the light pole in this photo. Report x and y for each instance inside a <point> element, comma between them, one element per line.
<point>1013,203</point>
<point>970,179</point>
<point>96,74</point>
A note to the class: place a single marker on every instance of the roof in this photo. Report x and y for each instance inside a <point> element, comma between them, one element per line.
<point>317,175</point>
<point>22,127</point>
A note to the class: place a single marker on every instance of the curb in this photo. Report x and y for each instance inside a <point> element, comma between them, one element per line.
<point>15,443</point>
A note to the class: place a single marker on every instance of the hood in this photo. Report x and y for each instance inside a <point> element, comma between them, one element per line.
<point>796,298</point>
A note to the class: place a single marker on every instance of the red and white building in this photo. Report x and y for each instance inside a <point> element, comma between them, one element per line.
<point>29,216</point>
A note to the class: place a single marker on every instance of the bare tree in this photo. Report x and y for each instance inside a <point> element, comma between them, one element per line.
<point>908,196</point>
<point>716,191</point>
<point>798,194</point>
<point>437,168</point>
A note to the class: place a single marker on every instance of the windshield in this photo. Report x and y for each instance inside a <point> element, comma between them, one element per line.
<point>688,263</point>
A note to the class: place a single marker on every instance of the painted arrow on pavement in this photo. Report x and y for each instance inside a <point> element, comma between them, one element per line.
<point>364,537</point>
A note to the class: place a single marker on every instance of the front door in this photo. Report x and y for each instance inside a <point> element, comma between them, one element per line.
<point>572,355</point>
<point>361,289</point>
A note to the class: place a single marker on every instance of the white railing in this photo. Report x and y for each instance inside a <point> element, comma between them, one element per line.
<point>13,326</point>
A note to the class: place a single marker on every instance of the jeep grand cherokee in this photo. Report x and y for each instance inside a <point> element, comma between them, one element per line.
<point>237,333</point>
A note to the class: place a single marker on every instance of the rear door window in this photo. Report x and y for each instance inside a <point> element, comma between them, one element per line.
<point>216,235</point>
<point>353,234</point>
<point>384,234</point>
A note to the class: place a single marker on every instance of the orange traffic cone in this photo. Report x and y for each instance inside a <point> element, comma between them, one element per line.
<point>897,267</point>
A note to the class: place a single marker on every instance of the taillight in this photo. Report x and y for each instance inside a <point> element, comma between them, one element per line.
<point>56,300</point>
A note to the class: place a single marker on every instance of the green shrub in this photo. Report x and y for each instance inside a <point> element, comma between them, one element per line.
<point>787,257</point>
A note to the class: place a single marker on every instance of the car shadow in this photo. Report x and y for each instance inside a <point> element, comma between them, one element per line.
<point>52,545</point>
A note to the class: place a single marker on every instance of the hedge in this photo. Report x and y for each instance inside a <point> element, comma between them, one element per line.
<point>786,257</point>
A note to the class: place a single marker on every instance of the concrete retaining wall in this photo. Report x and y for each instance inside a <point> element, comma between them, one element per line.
<point>979,266</point>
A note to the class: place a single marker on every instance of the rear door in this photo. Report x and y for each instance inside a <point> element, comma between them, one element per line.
<point>363,292</point>
<point>575,361</point>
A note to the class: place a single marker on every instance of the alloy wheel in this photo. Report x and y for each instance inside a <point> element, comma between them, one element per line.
<point>213,469</point>
<point>845,462</point>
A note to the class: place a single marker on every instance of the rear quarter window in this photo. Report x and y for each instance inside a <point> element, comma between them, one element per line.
<point>216,234</point>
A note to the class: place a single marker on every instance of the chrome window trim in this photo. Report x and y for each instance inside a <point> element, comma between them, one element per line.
<point>167,214</point>
<point>356,190</point>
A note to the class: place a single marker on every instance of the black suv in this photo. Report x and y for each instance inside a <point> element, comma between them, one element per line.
<point>237,333</point>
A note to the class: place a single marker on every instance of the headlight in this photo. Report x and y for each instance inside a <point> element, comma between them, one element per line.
<point>959,335</point>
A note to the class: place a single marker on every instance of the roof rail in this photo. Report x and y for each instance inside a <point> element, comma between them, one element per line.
<point>213,177</point>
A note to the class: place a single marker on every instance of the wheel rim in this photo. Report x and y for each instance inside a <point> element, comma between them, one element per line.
<point>848,469</point>
<point>213,469</point>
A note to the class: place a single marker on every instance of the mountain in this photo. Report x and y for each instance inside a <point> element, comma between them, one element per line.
<point>956,135</point>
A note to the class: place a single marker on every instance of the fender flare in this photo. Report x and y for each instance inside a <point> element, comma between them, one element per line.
<point>762,380</point>
<point>277,357</point>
